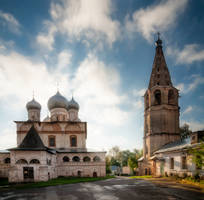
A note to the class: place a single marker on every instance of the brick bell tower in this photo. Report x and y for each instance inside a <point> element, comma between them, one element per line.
<point>161,114</point>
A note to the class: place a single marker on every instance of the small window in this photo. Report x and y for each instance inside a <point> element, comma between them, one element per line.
<point>172,163</point>
<point>65,159</point>
<point>34,161</point>
<point>96,159</point>
<point>158,75</point>
<point>52,141</point>
<point>86,159</point>
<point>184,162</point>
<point>22,161</point>
<point>171,97</point>
<point>73,141</point>
<point>7,160</point>
<point>75,159</point>
<point>157,96</point>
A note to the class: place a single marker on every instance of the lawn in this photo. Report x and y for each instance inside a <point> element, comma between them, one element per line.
<point>53,182</point>
<point>141,177</point>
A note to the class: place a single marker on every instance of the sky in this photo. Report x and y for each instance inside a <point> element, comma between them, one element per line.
<point>101,52</point>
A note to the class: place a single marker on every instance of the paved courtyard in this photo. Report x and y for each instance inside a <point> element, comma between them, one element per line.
<point>111,189</point>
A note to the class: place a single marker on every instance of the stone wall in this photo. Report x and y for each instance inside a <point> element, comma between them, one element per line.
<point>86,169</point>
<point>42,171</point>
<point>4,167</point>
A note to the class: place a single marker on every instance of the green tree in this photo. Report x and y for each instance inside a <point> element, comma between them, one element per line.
<point>108,164</point>
<point>185,131</point>
<point>198,156</point>
<point>132,162</point>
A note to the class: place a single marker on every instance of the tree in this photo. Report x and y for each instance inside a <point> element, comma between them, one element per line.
<point>185,131</point>
<point>132,162</point>
<point>198,156</point>
<point>108,164</point>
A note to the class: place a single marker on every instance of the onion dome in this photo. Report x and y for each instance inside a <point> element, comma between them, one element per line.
<point>57,101</point>
<point>73,104</point>
<point>33,105</point>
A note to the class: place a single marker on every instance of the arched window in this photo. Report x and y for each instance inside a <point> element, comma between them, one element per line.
<point>171,97</point>
<point>73,141</point>
<point>7,160</point>
<point>51,140</point>
<point>96,159</point>
<point>157,97</point>
<point>34,161</point>
<point>65,159</point>
<point>75,159</point>
<point>86,159</point>
<point>22,161</point>
<point>147,101</point>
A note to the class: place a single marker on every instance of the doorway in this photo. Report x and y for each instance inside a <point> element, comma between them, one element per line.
<point>28,174</point>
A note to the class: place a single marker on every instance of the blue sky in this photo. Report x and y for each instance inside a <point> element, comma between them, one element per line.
<point>102,52</point>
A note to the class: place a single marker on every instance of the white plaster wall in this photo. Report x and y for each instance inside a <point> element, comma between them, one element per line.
<point>4,167</point>
<point>191,169</point>
<point>40,170</point>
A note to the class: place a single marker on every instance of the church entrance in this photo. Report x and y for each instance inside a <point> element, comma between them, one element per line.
<point>28,174</point>
<point>162,168</point>
<point>95,174</point>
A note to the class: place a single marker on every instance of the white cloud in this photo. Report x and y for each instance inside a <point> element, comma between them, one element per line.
<point>155,18</point>
<point>87,21</point>
<point>19,75</point>
<point>10,21</point>
<point>139,93</point>
<point>96,86</point>
<point>185,88</point>
<point>64,59</point>
<point>189,54</point>
<point>8,138</point>
<point>194,125</point>
<point>187,110</point>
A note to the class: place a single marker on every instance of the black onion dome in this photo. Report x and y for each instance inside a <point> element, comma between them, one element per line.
<point>33,105</point>
<point>73,104</point>
<point>57,101</point>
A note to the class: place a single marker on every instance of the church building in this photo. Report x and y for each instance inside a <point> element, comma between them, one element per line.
<point>53,147</point>
<point>163,150</point>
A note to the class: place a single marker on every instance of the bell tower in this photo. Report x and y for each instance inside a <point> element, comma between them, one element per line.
<point>161,113</point>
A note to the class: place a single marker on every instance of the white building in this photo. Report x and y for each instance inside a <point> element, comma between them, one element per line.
<point>53,147</point>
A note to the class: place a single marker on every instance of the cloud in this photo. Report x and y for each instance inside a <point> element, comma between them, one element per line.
<point>139,93</point>
<point>10,21</point>
<point>97,87</point>
<point>185,88</point>
<point>154,18</point>
<point>19,75</point>
<point>8,138</point>
<point>189,54</point>
<point>187,110</point>
<point>88,21</point>
<point>194,125</point>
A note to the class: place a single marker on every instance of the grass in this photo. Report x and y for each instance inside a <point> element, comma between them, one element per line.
<point>3,181</point>
<point>188,180</point>
<point>53,182</point>
<point>141,177</point>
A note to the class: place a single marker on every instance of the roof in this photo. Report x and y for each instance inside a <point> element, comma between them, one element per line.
<point>33,142</point>
<point>177,145</point>
<point>141,159</point>
<point>4,151</point>
<point>160,73</point>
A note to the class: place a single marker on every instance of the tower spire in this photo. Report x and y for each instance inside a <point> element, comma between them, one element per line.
<point>160,73</point>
